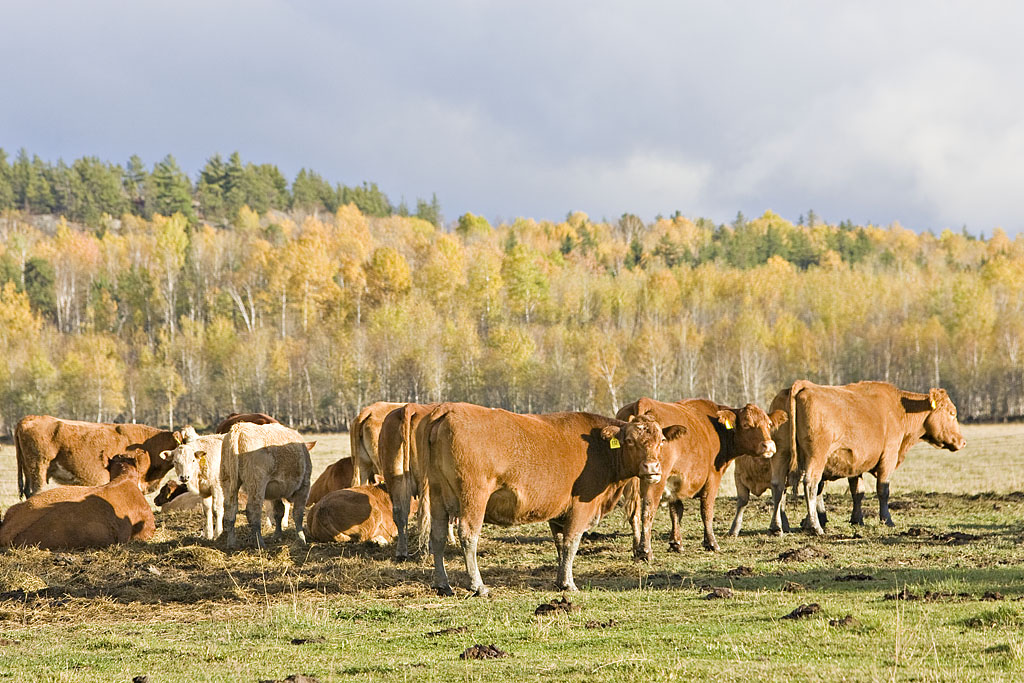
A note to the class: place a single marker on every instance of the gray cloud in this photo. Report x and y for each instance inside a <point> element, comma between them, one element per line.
<point>870,111</point>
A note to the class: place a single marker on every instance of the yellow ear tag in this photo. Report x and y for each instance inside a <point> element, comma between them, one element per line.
<point>202,462</point>
<point>933,404</point>
<point>613,442</point>
<point>728,424</point>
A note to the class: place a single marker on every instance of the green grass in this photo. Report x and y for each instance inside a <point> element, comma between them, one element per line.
<point>182,609</point>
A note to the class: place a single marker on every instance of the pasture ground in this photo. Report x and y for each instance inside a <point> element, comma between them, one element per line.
<point>939,597</point>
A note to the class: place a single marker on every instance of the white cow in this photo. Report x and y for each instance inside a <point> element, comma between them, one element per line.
<point>272,463</point>
<point>197,463</point>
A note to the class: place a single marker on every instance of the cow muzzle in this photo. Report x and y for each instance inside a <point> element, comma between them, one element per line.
<point>650,472</point>
<point>183,479</point>
<point>957,445</point>
<point>766,449</point>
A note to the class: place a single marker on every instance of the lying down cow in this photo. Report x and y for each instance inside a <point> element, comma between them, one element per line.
<point>490,465</point>
<point>78,517</point>
<point>360,513</point>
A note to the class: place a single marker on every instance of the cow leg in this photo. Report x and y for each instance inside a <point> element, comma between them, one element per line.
<point>650,496</point>
<point>217,500</point>
<point>707,515</point>
<point>298,504</point>
<point>254,511</point>
<point>882,487</point>
<point>822,515</point>
<point>438,539</point>
<point>469,535</point>
<point>207,504</point>
<point>401,501</point>
<point>778,510</point>
<point>278,508</point>
<point>570,544</point>
<point>857,493</point>
<point>811,481</point>
<point>742,499</point>
<point>230,512</point>
<point>675,515</point>
<point>558,535</point>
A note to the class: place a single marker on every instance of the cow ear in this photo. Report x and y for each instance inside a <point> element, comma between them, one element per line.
<point>778,418</point>
<point>935,397</point>
<point>727,418</point>
<point>673,432</point>
<point>166,455</point>
<point>177,437</point>
<point>310,444</point>
<point>610,432</point>
<point>632,418</point>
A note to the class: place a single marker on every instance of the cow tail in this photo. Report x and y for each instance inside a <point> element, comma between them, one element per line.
<point>354,434</point>
<point>19,455</point>
<point>425,440</point>
<point>794,461</point>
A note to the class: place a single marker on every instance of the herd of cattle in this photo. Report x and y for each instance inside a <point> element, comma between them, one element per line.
<point>463,465</point>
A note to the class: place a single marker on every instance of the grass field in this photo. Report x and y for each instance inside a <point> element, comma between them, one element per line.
<point>939,597</point>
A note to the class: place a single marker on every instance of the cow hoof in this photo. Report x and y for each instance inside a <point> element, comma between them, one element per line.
<point>481,592</point>
<point>778,532</point>
<point>889,522</point>
<point>444,591</point>
<point>712,547</point>
<point>402,558</point>
<point>819,532</point>
<point>674,547</point>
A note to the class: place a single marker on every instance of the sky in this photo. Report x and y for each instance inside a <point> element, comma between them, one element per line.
<point>875,112</point>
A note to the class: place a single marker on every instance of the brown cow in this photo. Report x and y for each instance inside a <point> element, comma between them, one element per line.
<point>364,435</point>
<point>336,476</point>
<point>694,465</point>
<point>753,475</point>
<point>844,431</point>
<point>362,513</point>
<point>73,452</point>
<point>235,418</point>
<point>75,517</point>
<point>490,465</point>
<point>403,468</point>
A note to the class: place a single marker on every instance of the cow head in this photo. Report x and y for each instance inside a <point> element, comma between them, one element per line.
<point>168,492</point>
<point>753,429</point>
<point>124,465</point>
<point>941,428</point>
<point>188,465</point>
<point>641,440</point>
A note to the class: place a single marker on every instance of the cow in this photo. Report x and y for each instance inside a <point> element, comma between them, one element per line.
<point>336,476</point>
<point>79,517</point>
<point>364,434</point>
<point>490,465</point>
<point>77,453</point>
<point>235,418</point>
<point>844,431</point>
<point>403,468</point>
<point>693,466</point>
<point>362,513</point>
<point>753,475</point>
<point>174,497</point>
<point>197,463</point>
<point>272,462</point>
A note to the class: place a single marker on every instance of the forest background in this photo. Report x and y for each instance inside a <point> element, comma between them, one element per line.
<point>130,293</point>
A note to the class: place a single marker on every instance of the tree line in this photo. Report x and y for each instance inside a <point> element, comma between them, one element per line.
<point>88,190</point>
<point>309,315</point>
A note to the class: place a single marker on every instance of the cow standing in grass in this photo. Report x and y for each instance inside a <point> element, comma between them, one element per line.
<point>843,431</point>
<point>364,435</point>
<point>694,464</point>
<point>272,463</point>
<point>490,465</point>
<point>197,463</point>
